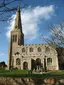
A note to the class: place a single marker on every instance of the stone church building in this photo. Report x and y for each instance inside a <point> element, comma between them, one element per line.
<point>30,56</point>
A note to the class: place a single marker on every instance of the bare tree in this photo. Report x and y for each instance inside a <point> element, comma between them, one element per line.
<point>56,38</point>
<point>56,35</point>
<point>7,7</point>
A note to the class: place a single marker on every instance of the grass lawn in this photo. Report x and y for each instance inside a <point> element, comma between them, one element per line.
<point>23,73</point>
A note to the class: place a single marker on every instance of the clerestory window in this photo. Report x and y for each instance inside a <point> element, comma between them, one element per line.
<point>31,49</point>
<point>23,49</point>
<point>39,49</point>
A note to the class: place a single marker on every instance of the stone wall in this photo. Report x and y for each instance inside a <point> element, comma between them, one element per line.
<point>46,51</point>
<point>30,81</point>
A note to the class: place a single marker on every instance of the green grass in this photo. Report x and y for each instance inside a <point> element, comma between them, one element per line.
<point>23,73</point>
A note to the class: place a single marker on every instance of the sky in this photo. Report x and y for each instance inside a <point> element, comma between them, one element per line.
<point>35,18</point>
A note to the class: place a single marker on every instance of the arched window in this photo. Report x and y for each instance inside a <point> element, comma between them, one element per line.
<point>31,49</point>
<point>23,49</point>
<point>18,61</point>
<point>49,61</point>
<point>14,38</point>
<point>39,49</point>
<point>47,49</point>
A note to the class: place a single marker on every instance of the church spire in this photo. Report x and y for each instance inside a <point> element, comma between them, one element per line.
<point>18,20</point>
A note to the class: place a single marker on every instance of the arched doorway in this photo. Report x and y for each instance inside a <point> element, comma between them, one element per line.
<point>33,64</point>
<point>38,61</point>
<point>25,65</point>
<point>38,64</point>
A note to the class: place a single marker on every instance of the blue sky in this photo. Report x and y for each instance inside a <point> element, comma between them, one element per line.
<point>35,17</point>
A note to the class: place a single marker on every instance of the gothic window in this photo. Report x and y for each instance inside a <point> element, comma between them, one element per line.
<point>49,61</point>
<point>23,49</point>
<point>39,49</point>
<point>14,38</point>
<point>47,49</point>
<point>17,61</point>
<point>31,49</point>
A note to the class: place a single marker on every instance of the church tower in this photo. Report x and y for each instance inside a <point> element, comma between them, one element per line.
<point>16,38</point>
<point>17,34</point>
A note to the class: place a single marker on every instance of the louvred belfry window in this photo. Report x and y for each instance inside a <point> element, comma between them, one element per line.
<point>14,38</point>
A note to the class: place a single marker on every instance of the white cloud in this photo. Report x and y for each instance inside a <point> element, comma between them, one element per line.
<point>1,54</point>
<point>31,17</point>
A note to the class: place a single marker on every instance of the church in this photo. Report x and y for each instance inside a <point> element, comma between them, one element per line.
<point>29,56</point>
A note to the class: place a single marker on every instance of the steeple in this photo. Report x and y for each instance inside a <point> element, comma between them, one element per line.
<point>18,20</point>
<point>17,37</point>
<point>17,33</point>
